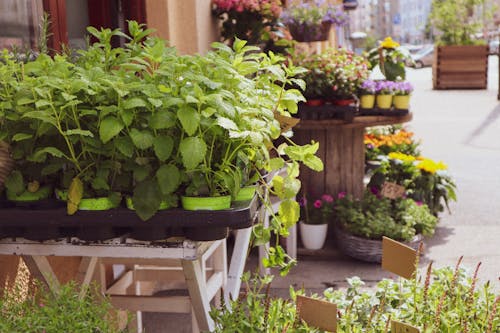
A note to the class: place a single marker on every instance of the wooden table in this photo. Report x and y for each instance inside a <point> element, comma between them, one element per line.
<point>342,150</point>
<point>190,258</point>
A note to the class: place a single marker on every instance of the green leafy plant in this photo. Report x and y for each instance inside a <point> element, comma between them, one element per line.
<point>65,311</point>
<point>373,217</point>
<point>390,58</point>
<point>457,22</point>
<point>316,211</point>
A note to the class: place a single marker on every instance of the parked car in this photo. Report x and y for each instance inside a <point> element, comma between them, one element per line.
<point>423,58</point>
<point>494,46</point>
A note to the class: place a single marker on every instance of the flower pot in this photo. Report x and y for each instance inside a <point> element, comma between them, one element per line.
<point>27,196</point>
<point>367,101</point>
<point>313,235</point>
<point>310,33</point>
<point>246,193</point>
<point>206,203</point>
<point>130,205</point>
<point>343,102</point>
<point>315,102</point>
<point>384,101</point>
<point>102,203</point>
<point>401,102</point>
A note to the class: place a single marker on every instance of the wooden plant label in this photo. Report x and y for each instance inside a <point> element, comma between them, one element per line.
<point>392,190</point>
<point>286,123</point>
<point>398,258</point>
<point>317,313</point>
<point>398,327</point>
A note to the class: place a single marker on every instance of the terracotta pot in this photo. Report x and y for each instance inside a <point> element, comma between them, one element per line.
<point>384,101</point>
<point>315,102</point>
<point>401,102</point>
<point>367,101</point>
<point>343,102</point>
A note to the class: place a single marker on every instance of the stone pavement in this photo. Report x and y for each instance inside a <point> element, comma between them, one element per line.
<point>459,127</point>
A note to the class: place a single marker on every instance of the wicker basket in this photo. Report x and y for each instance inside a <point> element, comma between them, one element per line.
<point>366,249</point>
<point>6,162</point>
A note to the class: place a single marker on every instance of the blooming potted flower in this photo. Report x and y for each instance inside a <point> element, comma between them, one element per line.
<point>310,21</point>
<point>402,92</point>
<point>390,58</point>
<point>385,91</point>
<point>316,214</point>
<point>247,19</point>
<point>367,92</point>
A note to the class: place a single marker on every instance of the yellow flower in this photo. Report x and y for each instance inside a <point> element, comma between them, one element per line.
<point>430,166</point>
<point>401,157</point>
<point>388,43</point>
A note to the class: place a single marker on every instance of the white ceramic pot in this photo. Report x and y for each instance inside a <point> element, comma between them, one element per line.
<point>313,235</point>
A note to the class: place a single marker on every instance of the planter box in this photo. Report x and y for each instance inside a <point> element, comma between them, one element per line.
<point>460,67</point>
<point>53,223</point>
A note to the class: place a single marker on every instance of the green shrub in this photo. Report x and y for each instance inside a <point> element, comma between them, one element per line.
<point>63,312</point>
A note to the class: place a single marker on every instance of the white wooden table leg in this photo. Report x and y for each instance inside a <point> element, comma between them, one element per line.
<point>264,249</point>
<point>197,287</point>
<point>194,322</point>
<point>237,265</point>
<point>291,242</point>
<point>86,273</point>
<point>220,265</point>
<point>40,268</point>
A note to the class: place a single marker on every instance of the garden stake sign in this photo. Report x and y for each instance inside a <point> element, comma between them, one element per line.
<point>398,258</point>
<point>398,327</point>
<point>317,313</point>
<point>392,190</point>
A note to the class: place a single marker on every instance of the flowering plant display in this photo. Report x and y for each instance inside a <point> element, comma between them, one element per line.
<point>368,87</point>
<point>333,73</point>
<point>391,58</point>
<point>403,88</point>
<point>317,210</point>
<point>384,140</point>
<point>311,20</point>
<point>425,180</point>
<point>247,19</point>
<point>385,87</point>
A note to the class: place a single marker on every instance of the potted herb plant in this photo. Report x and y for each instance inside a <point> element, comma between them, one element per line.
<point>456,24</point>
<point>390,58</point>
<point>310,21</point>
<point>402,92</point>
<point>360,224</point>
<point>316,215</point>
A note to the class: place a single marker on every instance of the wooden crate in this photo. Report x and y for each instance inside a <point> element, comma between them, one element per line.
<point>460,67</point>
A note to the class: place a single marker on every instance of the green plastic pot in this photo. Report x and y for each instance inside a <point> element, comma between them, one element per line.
<point>42,193</point>
<point>103,203</point>
<point>130,205</point>
<point>246,193</point>
<point>206,203</point>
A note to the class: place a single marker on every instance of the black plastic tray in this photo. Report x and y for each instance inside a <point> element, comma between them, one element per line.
<point>54,223</point>
<point>383,112</point>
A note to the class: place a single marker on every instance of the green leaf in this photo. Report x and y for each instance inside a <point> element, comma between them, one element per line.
<point>142,139</point>
<point>40,115</point>
<point>133,103</point>
<point>276,163</point>
<point>163,146</point>
<point>141,172</point>
<point>127,116</point>
<point>191,99</point>
<point>109,128</point>
<point>24,101</point>
<point>75,195</point>
<point>14,182</point>
<point>313,162</point>
<point>79,132</point>
<point>169,178</point>
<point>125,145</point>
<point>41,103</point>
<point>146,199</point>
<point>289,212</point>
<point>227,123</point>
<point>21,136</point>
<point>162,119</point>
<point>52,168</point>
<point>41,154</point>
<point>99,183</point>
<point>189,118</point>
<point>193,152</point>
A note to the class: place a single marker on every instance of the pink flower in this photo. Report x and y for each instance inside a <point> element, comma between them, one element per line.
<point>327,198</point>
<point>318,204</point>
<point>341,195</point>
<point>419,203</point>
